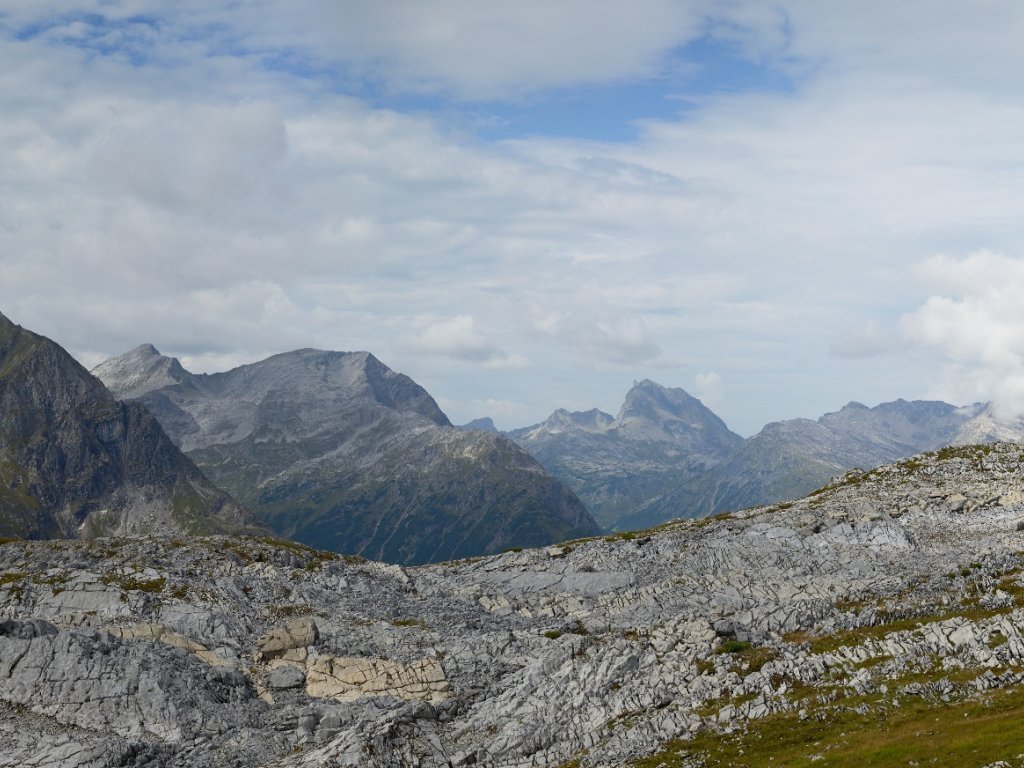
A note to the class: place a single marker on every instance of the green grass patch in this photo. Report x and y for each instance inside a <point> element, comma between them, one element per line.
<point>134,583</point>
<point>704,666</point>
<point>11,577</point>
<point>967,733</point>
<point>734,646</point>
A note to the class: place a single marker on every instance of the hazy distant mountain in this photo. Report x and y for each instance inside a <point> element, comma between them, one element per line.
<point>661,439</point>
<point>340,452</point>
<point>666,455</point>
<point>76,462</point>
<point>485,423</point>
<point>788,459</point>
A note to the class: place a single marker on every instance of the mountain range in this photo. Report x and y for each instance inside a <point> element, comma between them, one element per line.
<point>75,462</point>
<point>660,439</point>
<point>336,450</point>
<point>666,455</point>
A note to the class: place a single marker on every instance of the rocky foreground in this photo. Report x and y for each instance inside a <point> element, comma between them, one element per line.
<point>896,588</point>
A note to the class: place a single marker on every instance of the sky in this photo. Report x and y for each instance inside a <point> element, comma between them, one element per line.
<point>778,206</point>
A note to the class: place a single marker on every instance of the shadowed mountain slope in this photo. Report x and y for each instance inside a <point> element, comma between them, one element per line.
<point>76,462</point>
<point>341,452</point>
<point>661,439</point>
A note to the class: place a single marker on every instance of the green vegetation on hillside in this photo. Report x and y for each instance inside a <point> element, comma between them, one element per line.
<point>974,732</point>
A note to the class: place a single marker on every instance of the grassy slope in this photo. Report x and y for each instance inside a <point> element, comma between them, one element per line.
<point>831,726</point>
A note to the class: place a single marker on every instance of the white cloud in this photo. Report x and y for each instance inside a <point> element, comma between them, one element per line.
<point>205,199</point>
<point>461,47</point>
<point>977,328</point>
<point>459,338</point>
<point>206,160</point>
<point>867,339</point>
<point>600,337</point>
<point>709,389</point>
<point>486,50</point>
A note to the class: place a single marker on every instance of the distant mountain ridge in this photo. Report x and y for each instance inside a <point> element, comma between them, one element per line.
<point>486,424</point>
<point>338,451</point>
<point>75,462</point>
<point>788,459</point>
<point>661,438</point>
<point>668,456</point>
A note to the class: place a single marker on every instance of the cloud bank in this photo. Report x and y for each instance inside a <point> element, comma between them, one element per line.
<point>975,322</point>
<point>231,180</point>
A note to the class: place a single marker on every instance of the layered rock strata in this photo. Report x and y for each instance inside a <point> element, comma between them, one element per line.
<point>904,584</point>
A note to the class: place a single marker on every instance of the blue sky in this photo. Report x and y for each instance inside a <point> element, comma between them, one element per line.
<point>779,207</point>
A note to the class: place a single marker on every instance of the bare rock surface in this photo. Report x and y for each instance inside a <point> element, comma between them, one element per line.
<point>245,651</point>
<point>336,450</point>
<point>75,462</point>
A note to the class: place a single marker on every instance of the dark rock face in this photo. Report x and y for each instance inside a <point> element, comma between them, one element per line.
<point>338,451</point>
<point>661,439</point>
<point>76,462</point>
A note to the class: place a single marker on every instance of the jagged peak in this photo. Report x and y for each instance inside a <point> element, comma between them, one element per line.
<point>482,424</point>
<point>591,420</point>
<point>139,370</point>
<point>650,387</point>
<point>145,350</point>
<point>649,400</point>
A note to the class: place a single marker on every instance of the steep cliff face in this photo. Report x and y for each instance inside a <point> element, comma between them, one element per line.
<point>661,439</point>
<point>341,452</point>
<point>76,462</point>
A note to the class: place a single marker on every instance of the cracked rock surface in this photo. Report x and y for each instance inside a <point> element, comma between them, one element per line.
<point>248,651</point>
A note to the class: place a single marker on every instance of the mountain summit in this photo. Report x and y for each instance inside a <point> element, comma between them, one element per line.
<point>661,438</point>
<point>76,462</point>
<point>338,451</point>
<point>787,459</point>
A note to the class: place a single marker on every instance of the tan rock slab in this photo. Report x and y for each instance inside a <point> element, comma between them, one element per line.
<point>350,678</point>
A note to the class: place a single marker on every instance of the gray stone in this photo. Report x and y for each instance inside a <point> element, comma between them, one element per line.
<point>286,676</point>
<point>192,653</point>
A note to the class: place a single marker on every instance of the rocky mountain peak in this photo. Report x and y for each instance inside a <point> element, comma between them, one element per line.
<point>485,423</point>
<point>6,324</point>
<point>587,421</point>
<point>985,424</point>
<point>649,401</point>
<point>140,370</point>
<point>853,405</point>
<point>76,462</point>
<point>654,412</point>
<point>337,450</point>
<point>661,438</point>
